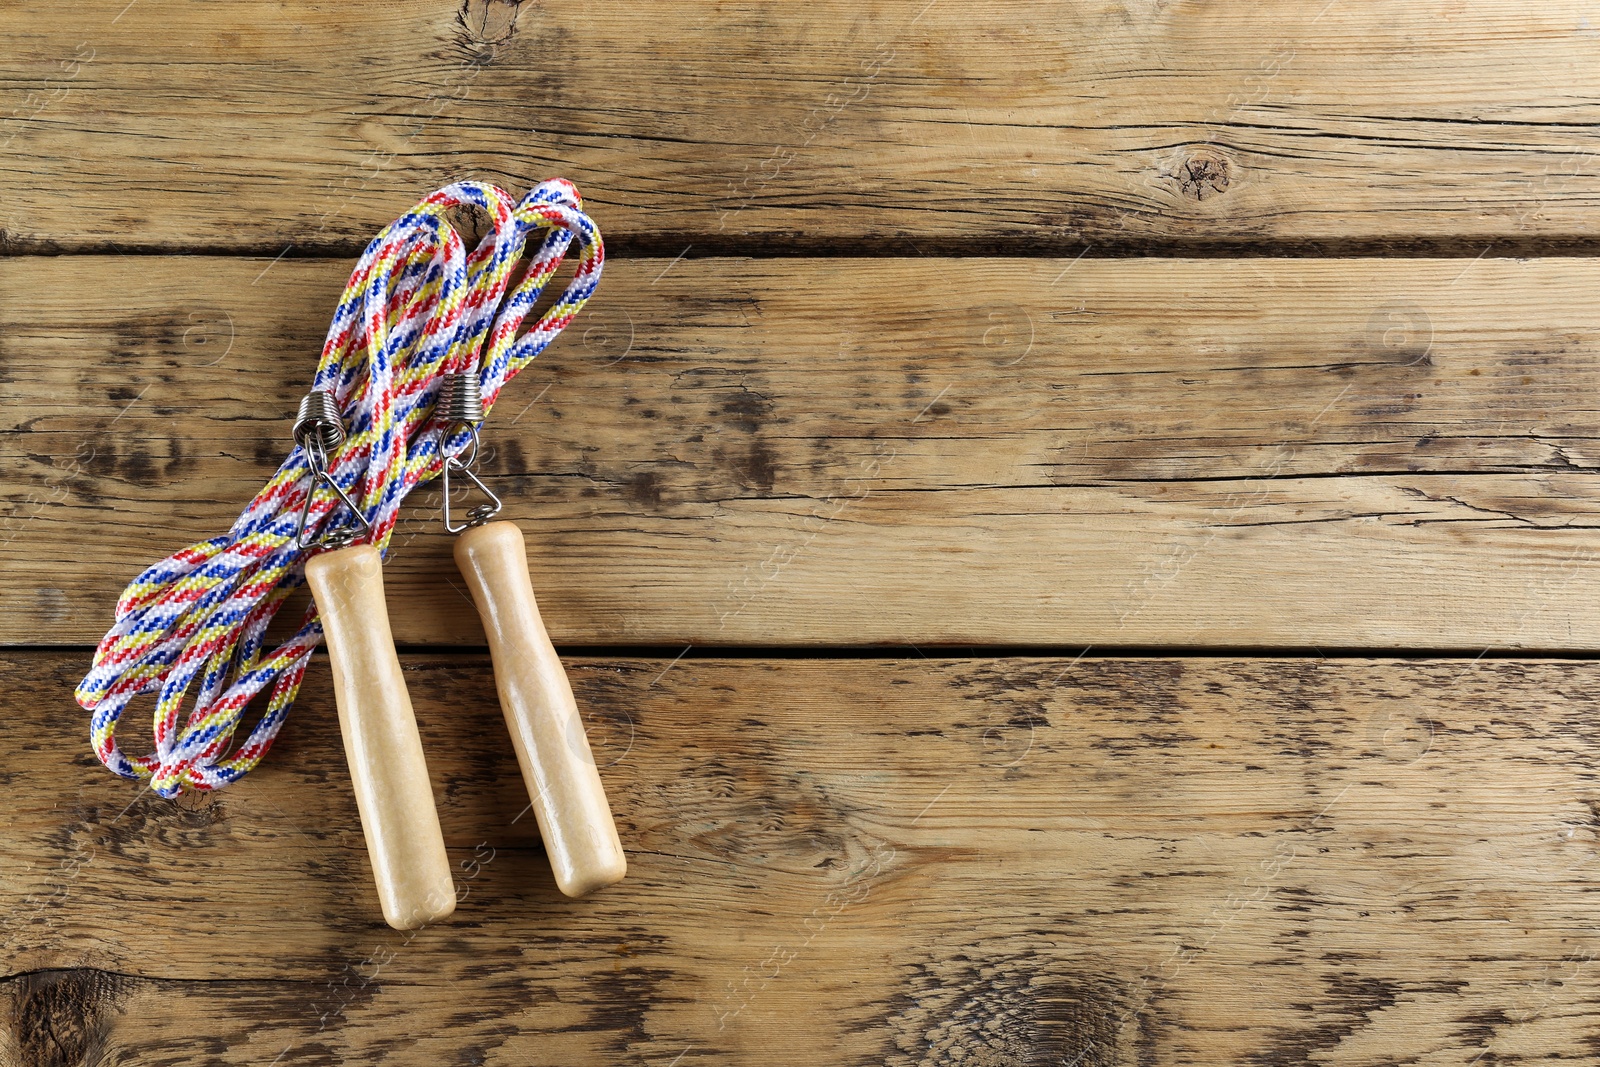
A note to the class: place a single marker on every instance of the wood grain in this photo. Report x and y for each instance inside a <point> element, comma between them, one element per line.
<point>1373,453</point>
<point>1259,861</point>
<point>256,125</point>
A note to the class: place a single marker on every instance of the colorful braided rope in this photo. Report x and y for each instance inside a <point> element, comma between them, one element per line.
<point>418,306</point>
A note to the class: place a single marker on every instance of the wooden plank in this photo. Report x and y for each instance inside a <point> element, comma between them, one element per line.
<point>886,861</point>
<point>1290,453</point>
<point>255,124</point>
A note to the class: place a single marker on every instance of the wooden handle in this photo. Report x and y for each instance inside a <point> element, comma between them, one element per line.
<point>569,801</point>
<point>381,740</point>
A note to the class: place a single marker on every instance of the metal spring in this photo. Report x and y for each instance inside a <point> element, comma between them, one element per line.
<point>319,423</point>
<point>460,402</point>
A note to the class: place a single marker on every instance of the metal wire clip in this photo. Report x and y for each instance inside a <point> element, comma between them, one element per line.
<point>319,430</point>
<point>461,404</point>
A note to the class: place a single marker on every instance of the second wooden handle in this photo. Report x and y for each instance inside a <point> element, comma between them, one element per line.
<point>381,741</point>
<point>569,800</point>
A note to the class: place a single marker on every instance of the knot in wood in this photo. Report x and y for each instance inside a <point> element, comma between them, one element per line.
<point>489,21</point>
<point>1203,174</point>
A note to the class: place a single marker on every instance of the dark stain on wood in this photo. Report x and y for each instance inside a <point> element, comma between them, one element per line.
<point>645,488</point>
<point>131,464</point>
<point>1352,1001</point>
<point>625,999</point>
<point>62,1018</point>
<point>268,453</point>
<point>747,409</point>
<point>178,459</point>
<point>1026,1008</point>
<point>159,332</point>
<point>131,459</point>
<point>509,457</point>
<point>757,470</point>
<point>1478,1028</point>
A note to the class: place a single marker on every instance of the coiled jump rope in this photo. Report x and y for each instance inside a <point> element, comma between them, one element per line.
<point>422,342</point>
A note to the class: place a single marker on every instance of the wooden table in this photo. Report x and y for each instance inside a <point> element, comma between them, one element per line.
<point>1073,526</point>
